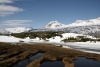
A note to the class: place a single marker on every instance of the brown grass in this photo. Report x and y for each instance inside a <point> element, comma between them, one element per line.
<point>51,52</point>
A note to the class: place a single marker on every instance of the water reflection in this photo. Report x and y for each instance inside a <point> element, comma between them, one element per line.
<point>84,62</point>
<point>24,63</point>
<point>52,64</point>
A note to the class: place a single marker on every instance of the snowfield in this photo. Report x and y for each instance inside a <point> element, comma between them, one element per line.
<point>83,46</point>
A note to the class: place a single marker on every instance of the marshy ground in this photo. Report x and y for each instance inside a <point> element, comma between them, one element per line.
<point>12,54</point>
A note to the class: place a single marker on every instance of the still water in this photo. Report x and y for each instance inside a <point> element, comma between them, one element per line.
<point>52,64</point>
<point>2,55</point>
<point>84,62</point>
<point>25,62</point>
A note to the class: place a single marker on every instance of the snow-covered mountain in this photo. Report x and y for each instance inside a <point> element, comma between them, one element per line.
<point>86,22</point>
<point>18,29</point>
<point>55,24</point>
<point>91,22</point>
<point>91,27</point>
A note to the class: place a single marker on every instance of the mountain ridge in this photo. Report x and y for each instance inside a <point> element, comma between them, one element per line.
<point>56,24</point>
<point>86,22</point>
<point>91,26</point>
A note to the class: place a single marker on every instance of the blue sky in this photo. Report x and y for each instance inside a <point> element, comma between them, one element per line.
<point>37,13</point>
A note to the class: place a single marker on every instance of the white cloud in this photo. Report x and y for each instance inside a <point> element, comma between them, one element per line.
<point>16,22</point>
<point>0,26</point>
<point>7,10</point>
<point>6,1</point>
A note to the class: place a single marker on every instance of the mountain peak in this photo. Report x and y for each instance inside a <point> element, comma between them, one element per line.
<point>55,24</point>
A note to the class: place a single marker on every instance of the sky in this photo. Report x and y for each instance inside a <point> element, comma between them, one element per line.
<point>38,13</point>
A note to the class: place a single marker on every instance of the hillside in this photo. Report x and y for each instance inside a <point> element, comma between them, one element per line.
<point>18,29</point>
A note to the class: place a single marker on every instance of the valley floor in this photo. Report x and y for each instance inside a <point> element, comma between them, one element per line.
<point>92,47</point>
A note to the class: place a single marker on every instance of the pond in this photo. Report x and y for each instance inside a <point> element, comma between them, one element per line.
<point>52,64</point>
<point>2,55</point>
<point>25,62</point>
<point>84,62</point>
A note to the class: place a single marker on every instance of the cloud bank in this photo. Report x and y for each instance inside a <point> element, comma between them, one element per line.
<point>16,23</point>
<point>6,1</point>
<point>6,10</point>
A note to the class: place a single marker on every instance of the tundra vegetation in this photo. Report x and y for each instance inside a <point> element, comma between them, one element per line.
<point>79,39</point>
<point>51,34</point>
<point>15,53</point>
<point>41,35</point>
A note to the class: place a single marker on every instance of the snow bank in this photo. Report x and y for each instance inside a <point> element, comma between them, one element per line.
<point>9,39</point>
<point>84,46</point>
<point>56,39</point>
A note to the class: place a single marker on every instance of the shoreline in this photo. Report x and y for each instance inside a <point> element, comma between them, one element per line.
<point>82,46</point>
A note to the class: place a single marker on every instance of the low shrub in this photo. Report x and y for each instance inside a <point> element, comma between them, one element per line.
<point>41,35</point>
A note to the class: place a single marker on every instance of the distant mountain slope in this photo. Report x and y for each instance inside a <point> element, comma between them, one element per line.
<point>2,31</point>
<point>18,29</point>
<point>86,22</point>
<point>91,27</point>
